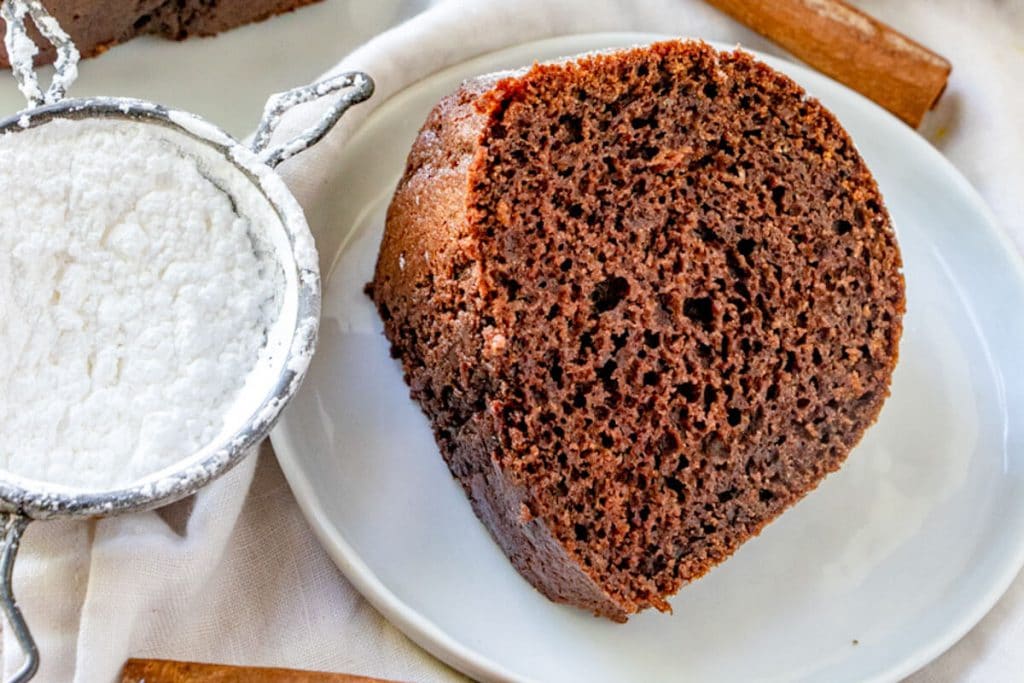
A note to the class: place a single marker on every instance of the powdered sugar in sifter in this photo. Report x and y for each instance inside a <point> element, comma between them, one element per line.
<point>258,193</point>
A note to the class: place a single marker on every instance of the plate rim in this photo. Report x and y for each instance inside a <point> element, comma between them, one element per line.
<point>431,637</point>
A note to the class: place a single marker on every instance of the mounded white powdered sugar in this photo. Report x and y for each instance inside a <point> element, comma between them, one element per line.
<point>134,302</point>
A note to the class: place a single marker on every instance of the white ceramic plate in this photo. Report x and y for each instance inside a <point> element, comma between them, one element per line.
<point>879,570</point>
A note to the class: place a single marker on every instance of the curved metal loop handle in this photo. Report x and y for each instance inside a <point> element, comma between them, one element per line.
<point>361,88</point>
<point>12,526</point>
<point>21,50</point>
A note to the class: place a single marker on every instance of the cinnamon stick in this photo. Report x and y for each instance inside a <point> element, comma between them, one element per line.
<point>167,671</point>
<point>852,47</point>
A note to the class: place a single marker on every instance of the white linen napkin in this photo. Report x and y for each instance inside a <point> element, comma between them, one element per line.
<point>234,575</point>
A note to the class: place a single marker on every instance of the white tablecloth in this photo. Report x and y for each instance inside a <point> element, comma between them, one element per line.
<point>234,575</point>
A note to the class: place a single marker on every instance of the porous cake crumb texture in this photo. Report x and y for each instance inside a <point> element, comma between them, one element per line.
<point>648,299</point>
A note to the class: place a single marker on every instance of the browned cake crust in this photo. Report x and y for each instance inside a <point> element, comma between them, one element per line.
<point>648,300</point>
<point>96,25</point>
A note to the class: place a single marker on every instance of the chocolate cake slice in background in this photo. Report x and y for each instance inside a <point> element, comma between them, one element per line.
<point>648,300</point>
<point>96,25</point>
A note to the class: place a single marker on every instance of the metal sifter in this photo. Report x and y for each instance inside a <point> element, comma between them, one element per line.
<point>258,193</point>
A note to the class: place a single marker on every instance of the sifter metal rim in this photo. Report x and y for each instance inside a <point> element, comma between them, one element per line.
<point>187,477</point>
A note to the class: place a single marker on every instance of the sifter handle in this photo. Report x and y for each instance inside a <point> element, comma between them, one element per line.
<point>360,87</point>
<point>12,526</point>
<point>21,50</point>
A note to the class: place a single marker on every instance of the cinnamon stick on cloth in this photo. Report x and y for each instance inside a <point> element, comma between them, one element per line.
<point>168,671</point>
<point>852,47</point>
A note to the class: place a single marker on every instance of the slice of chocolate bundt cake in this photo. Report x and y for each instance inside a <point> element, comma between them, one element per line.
<point>648,299</point>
